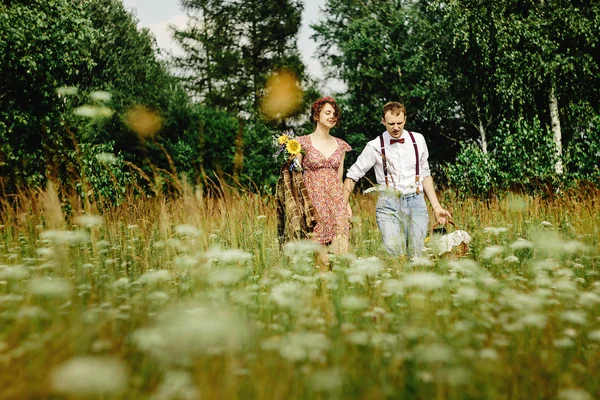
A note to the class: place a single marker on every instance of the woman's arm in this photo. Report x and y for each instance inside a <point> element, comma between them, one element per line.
<point>341,169</point>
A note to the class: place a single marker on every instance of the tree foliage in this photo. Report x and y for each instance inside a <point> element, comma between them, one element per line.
<point>466,69</point>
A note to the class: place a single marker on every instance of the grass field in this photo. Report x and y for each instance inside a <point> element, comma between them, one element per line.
<point>192,298</point>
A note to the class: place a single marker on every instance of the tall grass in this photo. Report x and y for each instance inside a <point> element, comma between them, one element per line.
<point>191,297</point>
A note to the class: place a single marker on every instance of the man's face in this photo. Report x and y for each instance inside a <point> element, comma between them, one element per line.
<point>394,124</point>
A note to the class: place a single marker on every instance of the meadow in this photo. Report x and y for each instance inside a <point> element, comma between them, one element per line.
<point>191,297</point>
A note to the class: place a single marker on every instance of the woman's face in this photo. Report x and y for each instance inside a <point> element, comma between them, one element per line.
<point>327,116</point>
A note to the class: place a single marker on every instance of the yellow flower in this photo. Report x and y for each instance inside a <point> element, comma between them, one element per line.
<point>293,147</point>
<point>283,139</point>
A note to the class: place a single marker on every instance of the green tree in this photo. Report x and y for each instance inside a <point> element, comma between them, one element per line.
<point>230,49</point>
<point>43,45</point>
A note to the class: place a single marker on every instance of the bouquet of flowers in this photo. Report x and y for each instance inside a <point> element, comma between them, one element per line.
<point>285,143</point>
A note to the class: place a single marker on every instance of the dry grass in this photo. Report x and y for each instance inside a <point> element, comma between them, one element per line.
<point>193,298</point>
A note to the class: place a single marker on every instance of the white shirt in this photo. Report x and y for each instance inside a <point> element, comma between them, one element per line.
<point>401,165</point>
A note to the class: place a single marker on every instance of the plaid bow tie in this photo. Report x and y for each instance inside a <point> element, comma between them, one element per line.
<point>401,140</point>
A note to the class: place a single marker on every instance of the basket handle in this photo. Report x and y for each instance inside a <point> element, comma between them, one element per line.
<point>437,223</point>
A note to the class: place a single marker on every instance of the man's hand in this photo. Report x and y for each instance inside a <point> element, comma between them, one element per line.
<point>441,215</point>
<point>349,209</point>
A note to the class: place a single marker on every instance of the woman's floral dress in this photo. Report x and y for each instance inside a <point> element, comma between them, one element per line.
<point>325,189</point>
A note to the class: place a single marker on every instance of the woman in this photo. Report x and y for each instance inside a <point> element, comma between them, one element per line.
<point>323,165</point>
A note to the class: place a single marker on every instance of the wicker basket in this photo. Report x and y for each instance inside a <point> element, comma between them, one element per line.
<point>451,245</point>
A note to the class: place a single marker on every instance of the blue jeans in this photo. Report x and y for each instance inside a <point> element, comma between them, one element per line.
<point>403,222</point>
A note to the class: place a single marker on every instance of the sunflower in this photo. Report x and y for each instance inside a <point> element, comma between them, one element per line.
<point>293,147</point>
<point>283,139</point>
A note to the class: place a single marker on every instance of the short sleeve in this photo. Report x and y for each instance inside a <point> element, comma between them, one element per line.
<point>302,140</point>
<point>344,146</point>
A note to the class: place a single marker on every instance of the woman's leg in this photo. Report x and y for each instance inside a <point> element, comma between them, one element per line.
<point>340,244</point>
<point>322,258</point>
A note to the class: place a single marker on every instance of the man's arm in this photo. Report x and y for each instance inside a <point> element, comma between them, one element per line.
<point>441,215</point>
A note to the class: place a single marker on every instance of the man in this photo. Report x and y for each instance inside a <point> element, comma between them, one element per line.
<point>402,173</point>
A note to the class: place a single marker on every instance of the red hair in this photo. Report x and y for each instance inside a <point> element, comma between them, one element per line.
<point>318,106</point>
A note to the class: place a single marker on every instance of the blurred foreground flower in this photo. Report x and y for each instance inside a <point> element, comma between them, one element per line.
<point>100,95</point>
<point>143,121</point>
<point>183,333</point>
<point>282,95</point>
<point>107,158</point>
<point>90,376</point>
<point>88,111</point>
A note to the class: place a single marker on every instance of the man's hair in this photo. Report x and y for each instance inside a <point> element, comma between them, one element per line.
<point>394,107</point>
<point>318,106</point>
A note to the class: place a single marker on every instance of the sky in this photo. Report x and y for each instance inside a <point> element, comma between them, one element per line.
<point>157,15</point>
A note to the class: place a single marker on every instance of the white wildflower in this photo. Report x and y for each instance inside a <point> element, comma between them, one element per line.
<point>187,231</point>
<point>107,158</point>
<point>488,354</point>
<point>289,294</point>
<point>511,259</point>
<point>225,276</point>
<point>65,237</point>
<point>300,346</point>
<point>187,331</point>
<point>328,380</point>
<point>185,262</point>
<point>259,217</point>
<point>574,317</point>
<point>89,220</point>
<point>465,266</point>
<point>67,90</point>
<point>90,376</point>
<point>573,247</point>
<point>360,338</point>
<point>491,252</point>
<point>121,284</point>
<point>50,287</point>
<point>420,262</point>
<point>424,280</point>
<point>33,312</point>
<point>573,394</point>
<point>563,343</point>
<point>521,244</point>
<point>434,353</point>
<point>594,335</point>
<point>301,247</point>
<point>495,231</point>
<point>535,320</point>
<point>158,297</point>
<point>467,294</point>
<point>355,303</point>
<point>228,256</point>
<point>15,272</point>
<point>546,224</point>
<point>176,385</point>
<point>88,111</point>
<point>565,286</point>
<point>570,332</point>
<point>100,95</point>
<point>44,252</point>
<point>155,277</point>
<point>393,287</point>
<point>363,268</point>
<point>11,298</point>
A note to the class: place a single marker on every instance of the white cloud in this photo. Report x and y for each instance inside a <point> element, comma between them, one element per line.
<point>163,35</point>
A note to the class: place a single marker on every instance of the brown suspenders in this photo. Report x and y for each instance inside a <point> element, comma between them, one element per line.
<point>383,158</point>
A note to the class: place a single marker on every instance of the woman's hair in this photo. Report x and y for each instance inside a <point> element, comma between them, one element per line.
<point>318,106</point>
<point>395,107</point>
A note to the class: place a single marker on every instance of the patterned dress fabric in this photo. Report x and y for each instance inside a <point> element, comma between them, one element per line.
<point>325,189</point>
